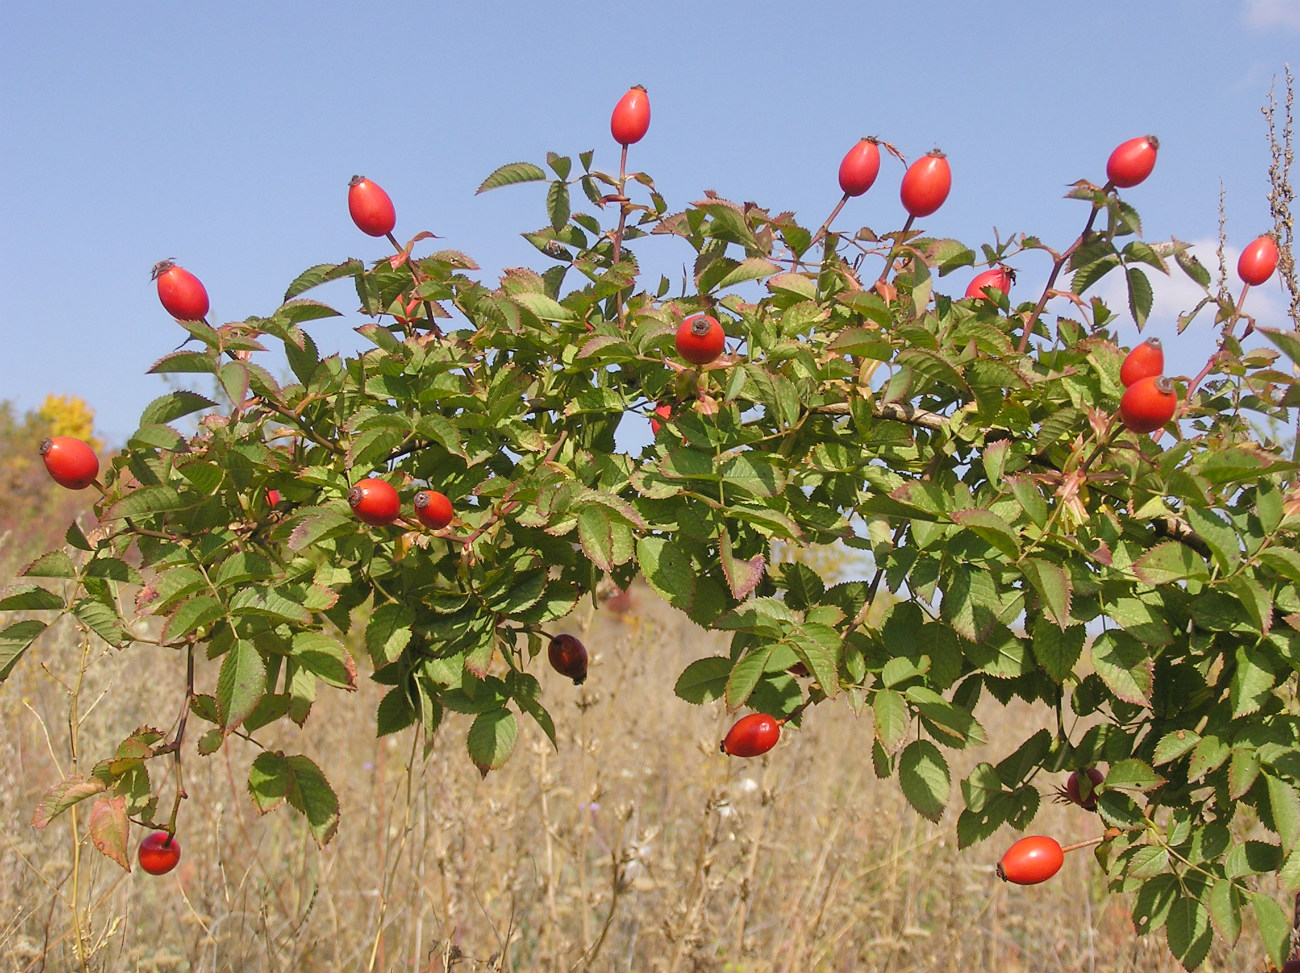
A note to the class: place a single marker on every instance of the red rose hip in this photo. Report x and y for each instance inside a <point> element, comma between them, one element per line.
<point>752,735</point>
<point>568,657</point>
<point>700,339</point>
<point>998,277</point>
<point>375,502</point>
<point>926,184</point>
<point>1132,161</point>
<point>159,853</point>
<point>631,118</point>
<point>1144,361</point>
<point>70,462</point>
<point>372,211</point>
<point>1258,261</point>
<point>432,509</point>
<point>860,167</point>
<point>1074,787</point>
<point>1148,404</point>
<point>1031,860</point>
<point>182,294</point>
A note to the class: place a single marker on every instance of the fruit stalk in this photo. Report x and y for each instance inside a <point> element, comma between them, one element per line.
<point>893,249</point>
<point>821,232</point>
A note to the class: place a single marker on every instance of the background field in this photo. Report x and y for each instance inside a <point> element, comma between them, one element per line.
<point>636,847</point>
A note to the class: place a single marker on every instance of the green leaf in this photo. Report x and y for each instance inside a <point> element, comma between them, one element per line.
<point>1188,932</point>
<point>1252,681</point>
<point>753,268</point>
<point>1139,296</point>
<point>30,597</point>
<point>14,643</point>
<point>1174,744</point>
<point>1170,561</point>
<point>55,564</point>
<point>172,406</point>
<point>320,274</point>
<point>102,620</point>
<point>1225,910</point>
<point>155,499</point>
<point>240,684</point>
<point>992,529</point>
<point>704,680</point>
<point>557,204</point>
<point>1274,926</point>
<point>192,615</point>
<point>510,174</point>
<point>924,777</point>
<point>63,795</point>
<point>1124,666</point>
<point>1285,804</point>
<point>1132,775</point>
<point>491,739</point>
<point>891,718</point>
<point>1152,903</point>
<point>275,778</point>
<point>745,674</point>
<point>1057,651</point>
<point>1052,585</point>
<point>388,632</point>
<point>325,658</point>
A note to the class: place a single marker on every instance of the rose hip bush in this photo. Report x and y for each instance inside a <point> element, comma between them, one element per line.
<point>1143,587</point>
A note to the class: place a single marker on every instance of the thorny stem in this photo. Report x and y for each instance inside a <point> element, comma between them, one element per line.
<point>1218,355</point>
<point>1056,270</point>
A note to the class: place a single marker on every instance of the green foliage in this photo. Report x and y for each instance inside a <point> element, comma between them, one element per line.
<point>1021,545</point>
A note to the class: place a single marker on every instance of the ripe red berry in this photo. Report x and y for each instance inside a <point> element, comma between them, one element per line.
<point>181,293</point>
<point>1148,404</point>
<point>432,509</point>
<point>999,277</point>
<point>568,657</point>
<point>860,167</point>
<point>1132,161</point>
<point>375,502</point>
<point>631,118</point>
<point>664,411</point>
<point>1031,860</point>
<point>1258,261</point>
<point>926,184</point>
<point>700,339</point>
<point>372,211</point>
<point>1074,787</point>
<point>70,462</point>
<point>159,853</point>
<point>1144,361</point>
<point>752,735</point>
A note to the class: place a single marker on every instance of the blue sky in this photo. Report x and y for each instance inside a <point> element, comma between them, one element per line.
<point>223,135</point>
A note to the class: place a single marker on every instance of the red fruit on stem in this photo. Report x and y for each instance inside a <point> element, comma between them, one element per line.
<point>1258,261</point>
<point>860,167</point>
<point>631,118</point>
<point>999,277</point>
<point>664,411</point>
<point>700,339</point>
<point>1075,786</point>
<point>372,211</point>
<point>432,509</point>
<point>926,184</point>
<point>1031,860</point>
<point>375,502</point>
<point>159,853</point>
<point>181,293</point>
<point>568,657</point>
<point>752,735</point>
<point>1132,161</point>
<point>1144,361</point>
<point>70,462</point>
<point>1148,404</point>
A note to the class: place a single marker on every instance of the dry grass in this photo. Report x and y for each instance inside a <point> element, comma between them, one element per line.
<point>636,847</point>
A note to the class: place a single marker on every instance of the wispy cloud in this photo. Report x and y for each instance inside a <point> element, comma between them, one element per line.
<point>1273,13</point>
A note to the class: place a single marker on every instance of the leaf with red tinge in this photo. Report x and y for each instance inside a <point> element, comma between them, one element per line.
<point>1170,561</point>
<point>491,739</point>
<point>742,576</point>
<point>109,829</point>
<point>64,794</point>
